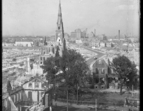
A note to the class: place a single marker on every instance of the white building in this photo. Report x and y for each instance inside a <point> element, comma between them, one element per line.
<point>102,44</point>
<point>78,41</point>
<point>24,43</point>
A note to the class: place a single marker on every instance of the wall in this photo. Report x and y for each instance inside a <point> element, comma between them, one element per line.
<point>28,93</point>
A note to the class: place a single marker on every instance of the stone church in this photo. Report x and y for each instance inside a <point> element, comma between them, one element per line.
<point>60,44</point>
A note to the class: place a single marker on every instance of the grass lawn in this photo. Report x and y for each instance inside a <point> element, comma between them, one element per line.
<point>106,98</point>
<point>61,108</point>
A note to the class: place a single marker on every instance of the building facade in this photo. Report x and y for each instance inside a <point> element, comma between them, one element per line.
<point>100,70</point>
<point>24,43</point>
<point>28,93</point>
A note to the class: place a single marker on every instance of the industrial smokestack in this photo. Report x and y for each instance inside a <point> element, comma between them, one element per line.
<point>95,32</point>
<point>119,34</point>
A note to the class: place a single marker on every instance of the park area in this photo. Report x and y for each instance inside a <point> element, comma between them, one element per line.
<point>63,108</point>
<point>104,100</point>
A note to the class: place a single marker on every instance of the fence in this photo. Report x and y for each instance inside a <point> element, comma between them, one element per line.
<point>131,102</point>
<point>91,102</point>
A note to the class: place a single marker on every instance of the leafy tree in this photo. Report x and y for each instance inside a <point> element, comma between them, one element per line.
<point>72,66</point>
<point>14,59</point>
<point>132,78</point>
<point>125,70</point>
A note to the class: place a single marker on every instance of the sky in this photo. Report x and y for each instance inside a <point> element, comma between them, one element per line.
<point>39,17</point>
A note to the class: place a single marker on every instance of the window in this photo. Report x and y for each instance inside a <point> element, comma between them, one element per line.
<point>59,27</point>
<point>36,85</point>
<point>17,96</point>
<point>53,50</point>
<point>30,85</point>
<point>30,96</point>
<point>103,71</point>
<point>14,98</point>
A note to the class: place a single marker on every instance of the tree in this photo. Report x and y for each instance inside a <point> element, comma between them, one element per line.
<point>132,78</point>
<point>125,70</point>
<point>14,59</point>
<point>72,66</point>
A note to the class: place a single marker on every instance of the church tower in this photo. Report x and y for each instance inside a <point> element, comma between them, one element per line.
<point>61,43</point>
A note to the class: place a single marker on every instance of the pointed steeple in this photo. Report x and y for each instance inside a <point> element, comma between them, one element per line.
<point>60,11</point>
<point>60,32</point>
<point>60,22</point>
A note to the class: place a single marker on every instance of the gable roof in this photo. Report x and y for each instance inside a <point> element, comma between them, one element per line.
<point>35,78</point>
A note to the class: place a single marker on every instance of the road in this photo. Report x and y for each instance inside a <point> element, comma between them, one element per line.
<point>100,54</point>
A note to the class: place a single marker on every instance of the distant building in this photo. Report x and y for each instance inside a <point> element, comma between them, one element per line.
<point>78,34</point>
<point>46,52</point>
<point>102,44</point>
<point>7,44</point>
<point>67,37</point>
<point>78,41</point>
<point>24,43</point>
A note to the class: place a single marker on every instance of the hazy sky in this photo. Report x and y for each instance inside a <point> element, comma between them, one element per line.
<point>39,17</point>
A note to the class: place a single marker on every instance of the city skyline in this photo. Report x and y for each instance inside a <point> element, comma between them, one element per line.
<point>35,17</point>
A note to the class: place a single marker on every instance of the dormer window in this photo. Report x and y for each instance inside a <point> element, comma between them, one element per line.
<point>30,85</point>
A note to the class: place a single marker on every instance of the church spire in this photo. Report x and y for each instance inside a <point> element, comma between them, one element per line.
<point>60,11</point>
<point>60,22</point>
<point>60,32</point>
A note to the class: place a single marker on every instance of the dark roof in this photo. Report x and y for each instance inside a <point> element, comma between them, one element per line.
<point>98,64</point>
